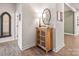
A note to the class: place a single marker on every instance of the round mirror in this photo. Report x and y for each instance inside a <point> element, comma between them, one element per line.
<point>46,16</point>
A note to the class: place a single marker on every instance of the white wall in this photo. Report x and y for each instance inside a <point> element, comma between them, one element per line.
<point>31,14</point>
<point>10,8</point>
<point>28,26</point>
<point>18,34</point>
<point>76,18</point>
<point>59,29</point>
<point>75,23</point>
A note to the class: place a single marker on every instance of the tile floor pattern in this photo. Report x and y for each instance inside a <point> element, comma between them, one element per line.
<point>71,49</point>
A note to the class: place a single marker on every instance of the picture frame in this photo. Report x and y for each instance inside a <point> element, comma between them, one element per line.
<point>19,16</point>
<point>77,20</point>
<point>60,16</point>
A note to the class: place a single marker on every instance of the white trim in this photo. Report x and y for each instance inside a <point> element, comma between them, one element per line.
<point>58,48</point>
<point>75,26</point>
<point>76,34</point>
<point>54,50</point>
<point>69,34</point>
<point>27,47</point>
<point>6,39</point>
<point>72,8</point>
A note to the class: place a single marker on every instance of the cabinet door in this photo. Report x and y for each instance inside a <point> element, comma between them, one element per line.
<point>43,44</point>
<point>0,26</point>
<point>37,36</point>
<point>49,39</point>
<point>42,33</point>
<point>42,38</point>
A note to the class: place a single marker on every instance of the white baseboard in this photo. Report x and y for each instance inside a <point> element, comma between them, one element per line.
<point>27,47</point>
<point>6,39</point>
<point>58,48</point>
<point>69,34</point>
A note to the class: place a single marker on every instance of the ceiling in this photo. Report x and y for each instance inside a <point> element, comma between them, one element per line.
<point>75,5</point>
<point>66,8</point>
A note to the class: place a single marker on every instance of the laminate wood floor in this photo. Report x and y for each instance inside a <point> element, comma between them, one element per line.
<point>71,49</point>
<point>9,49</point>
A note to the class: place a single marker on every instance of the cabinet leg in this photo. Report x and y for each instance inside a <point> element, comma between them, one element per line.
<point>46,52</point>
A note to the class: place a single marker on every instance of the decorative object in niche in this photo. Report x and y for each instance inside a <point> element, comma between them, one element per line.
<point>60,16</point>
<point>46,16</point>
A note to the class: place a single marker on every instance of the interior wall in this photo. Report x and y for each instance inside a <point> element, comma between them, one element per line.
<point>76,22</point>
<point>31,15</point>
<point>59,31</point>
<point>69,22</point>
<point>0,26</point>
<point>10,8</point>
<point>18,24</point>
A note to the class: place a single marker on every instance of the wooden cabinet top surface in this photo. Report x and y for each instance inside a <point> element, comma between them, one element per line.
<point>44,28</point>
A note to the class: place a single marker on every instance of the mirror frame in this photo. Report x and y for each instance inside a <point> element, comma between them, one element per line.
<point>49,15</point>
<point>2,24</point>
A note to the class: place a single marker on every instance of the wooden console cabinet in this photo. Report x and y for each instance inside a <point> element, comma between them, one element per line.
<point>44,38</point>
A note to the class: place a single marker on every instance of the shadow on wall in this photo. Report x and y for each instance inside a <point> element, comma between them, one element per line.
<point>29,24</point>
